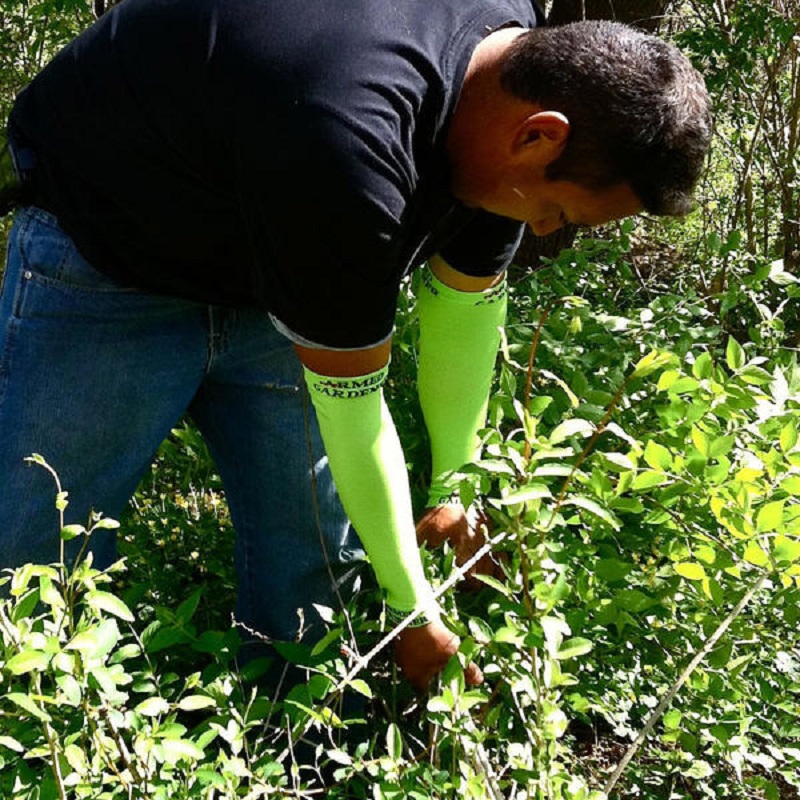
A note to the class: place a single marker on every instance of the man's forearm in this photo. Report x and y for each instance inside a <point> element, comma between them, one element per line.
<point>459,337</point>
<point>368,467</point>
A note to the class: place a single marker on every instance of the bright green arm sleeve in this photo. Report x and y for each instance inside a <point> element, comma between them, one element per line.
<point>459,337</point>
<point>369,470</point>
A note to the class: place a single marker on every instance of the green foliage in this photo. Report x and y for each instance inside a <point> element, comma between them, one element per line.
<point>641,467</point>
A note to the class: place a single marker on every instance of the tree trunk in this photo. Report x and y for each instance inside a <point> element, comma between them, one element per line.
<point>645,14</point>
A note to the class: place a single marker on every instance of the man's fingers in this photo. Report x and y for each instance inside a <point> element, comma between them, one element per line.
<point>473,675</point>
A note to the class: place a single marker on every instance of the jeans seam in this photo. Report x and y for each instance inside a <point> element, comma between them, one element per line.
<point>5,358</point>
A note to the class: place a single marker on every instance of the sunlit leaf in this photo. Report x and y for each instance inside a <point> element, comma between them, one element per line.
<point>653,361</point>
<point>770,516</point>
<point>657,456</point>
<point>152,707</point>
<point>785,550</point>
<point>593,507</point>
<point>105,601</point>
<point>788,436</point>
<point>394,742</point>
<point>690,570</point>
<point>754,554</point>
<point>571,427</point>
<point>28,704</point>
<point>195,702</point>
<point>27,661</point>
<point>573,648</point>
<point>531,491</point>
<point>734,354</point>
<point>647,479</point>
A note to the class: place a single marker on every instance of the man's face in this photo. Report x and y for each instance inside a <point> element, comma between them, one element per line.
<point>558,203</point>
<point>547,205</point>
<point>503,169</point>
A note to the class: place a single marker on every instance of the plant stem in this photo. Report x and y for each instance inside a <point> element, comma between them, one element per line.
<point>51,744</point>
<point>682,678</point>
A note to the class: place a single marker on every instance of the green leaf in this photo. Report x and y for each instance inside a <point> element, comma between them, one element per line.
<point>105,601</point>
<point>657,456</point>
<point>439,704</point>
<point>701,441</point>
<point>571,427</point>
<point>531,491</point>
<point>27,704</point>
<point>362,687</point>
<point>70,688</point>
<point>27,661</point>
<point>76,758</point>
<point>754,554</point>
<point>69,532</point>
<point>593,507</point>
<point>152,707</point>
<point>494,583</point>
<point>619,461</point>
<point>106,523</point>
<point>788,437</point>
<point>720,446</point>
<point>770,516</point>
<point>394,742</point>
<point>756,376</point>
<point>699,770</point>
<point>672,719</point>
<point>195,702</point>
<point>555,630</point>
<point>573,648</point>
<point>785,550</point>
<point>611,570</point>
<point>690,570</point>
<point>188,607</point>
<point>647,479</point>
<point>507,634</point>
<point>48,593</point>
<point>181,750</point>
<point>734,354</point>
<point>653,361</point>
<point>703,366</point>
<point>12,744</point>
<point>791,485</point>
<point>779,275</point>
<point>96,641</point>
<point>340,757</point>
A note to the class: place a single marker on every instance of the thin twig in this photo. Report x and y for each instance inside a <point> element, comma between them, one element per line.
<point>526,401</point>
<point>682,678</point>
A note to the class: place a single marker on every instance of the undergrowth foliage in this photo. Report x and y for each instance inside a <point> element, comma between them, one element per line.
<point>641,471</point>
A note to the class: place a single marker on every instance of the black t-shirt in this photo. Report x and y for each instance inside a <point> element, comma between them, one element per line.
<point>280,153</point>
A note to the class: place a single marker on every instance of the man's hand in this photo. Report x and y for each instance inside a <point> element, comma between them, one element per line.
<point>451,523</point>
<point>421,653</point>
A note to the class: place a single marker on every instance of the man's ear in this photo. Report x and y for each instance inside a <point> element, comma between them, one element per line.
<point>542,135</point>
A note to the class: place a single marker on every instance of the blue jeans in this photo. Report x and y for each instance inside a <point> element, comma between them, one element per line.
<point>93,376</point>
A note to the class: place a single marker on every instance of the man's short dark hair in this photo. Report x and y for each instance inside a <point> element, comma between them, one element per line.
<point>639,112</point>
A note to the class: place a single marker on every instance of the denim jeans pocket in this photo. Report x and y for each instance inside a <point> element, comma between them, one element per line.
<point>50,257</point>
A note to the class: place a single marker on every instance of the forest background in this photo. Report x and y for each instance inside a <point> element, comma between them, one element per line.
<point>641,470</point>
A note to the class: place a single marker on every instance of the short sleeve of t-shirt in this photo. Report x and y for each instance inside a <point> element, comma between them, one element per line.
<point>485,247</point>
<point>351,144</point>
